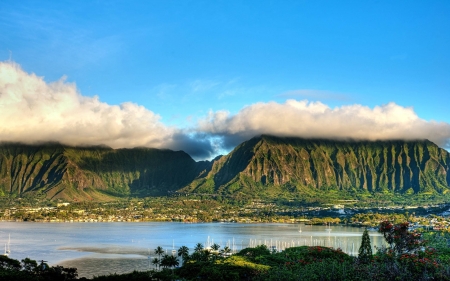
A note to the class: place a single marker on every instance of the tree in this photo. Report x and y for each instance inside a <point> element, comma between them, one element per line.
<point>365,250</point>
<point>169,261</point>
<point>225,251</point>
<point>198,247</point>
<point>183,252</point>
<point>159,251</point>
<point>400,239</point>
<point>8,263</point>
<point>155,262</point>
<point>215,251</point>
<point>215,247</point>
<point>29,269</point>
<point>30,266</point>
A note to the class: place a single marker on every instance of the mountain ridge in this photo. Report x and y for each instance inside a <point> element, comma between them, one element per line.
<point>374,166</point>
<point>264,166</point>
<point>93,172</point>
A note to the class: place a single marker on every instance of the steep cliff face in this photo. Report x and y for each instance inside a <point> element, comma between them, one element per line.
<point>263,165</point>
<point>266,162</point>
<point>94,172</point>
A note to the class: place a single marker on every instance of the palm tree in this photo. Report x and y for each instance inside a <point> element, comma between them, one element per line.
<point>198,247</point>
<point>205,255</point>
<point>164,261</point>
<point>215,247</point>
<point>159,251</point>
<point>156,262</point>
<point>173,261</point>
<point>215,250</point>
<point>169,261</point>
<point>225,251</point>
<point>183,252</point>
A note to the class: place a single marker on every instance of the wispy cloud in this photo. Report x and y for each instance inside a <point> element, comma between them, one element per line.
<point>203,85</point>
<point>198,89</point>
<point>55,37</point>
<point>164,91</point>
<point>312,94</point>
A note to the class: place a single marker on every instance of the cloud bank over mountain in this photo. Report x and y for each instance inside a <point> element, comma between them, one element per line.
<point>33,111</point>
<point>317,120</point>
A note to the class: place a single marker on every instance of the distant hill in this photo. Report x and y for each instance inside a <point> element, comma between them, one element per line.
<point>264,166</point>
<point>271,166</point>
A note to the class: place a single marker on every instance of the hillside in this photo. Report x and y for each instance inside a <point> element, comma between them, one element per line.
<point>270,166</point>
<point>94,173</point>
<point>262,167</point>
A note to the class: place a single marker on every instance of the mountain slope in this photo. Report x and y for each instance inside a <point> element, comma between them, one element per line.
<point>270,165</point>
<point>94,172</point>
<point>264,166</point>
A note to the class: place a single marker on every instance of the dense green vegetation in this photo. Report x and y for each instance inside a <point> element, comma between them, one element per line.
<point>30,270</point>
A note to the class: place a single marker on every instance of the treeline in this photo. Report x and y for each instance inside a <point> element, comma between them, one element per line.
<point>31,270</point>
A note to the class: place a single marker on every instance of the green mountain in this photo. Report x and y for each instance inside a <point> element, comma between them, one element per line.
<point>264,167</point>
<point>269,166</point>
<point>94,173</point>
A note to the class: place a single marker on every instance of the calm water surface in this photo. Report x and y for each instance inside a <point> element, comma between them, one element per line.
<point>103,248</point>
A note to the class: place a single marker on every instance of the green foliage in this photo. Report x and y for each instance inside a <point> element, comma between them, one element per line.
<point>365,250</point>
<point>183,252</point>
<point>169,261</point>
<point>253,254</point>
<point>30,270</point>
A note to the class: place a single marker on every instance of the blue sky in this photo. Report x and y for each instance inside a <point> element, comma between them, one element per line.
<point>188,64</point>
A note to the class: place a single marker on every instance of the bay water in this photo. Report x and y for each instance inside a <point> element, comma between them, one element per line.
<point>106,248</point>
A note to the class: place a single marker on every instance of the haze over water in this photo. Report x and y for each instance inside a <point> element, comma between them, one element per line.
<point>103,248</point>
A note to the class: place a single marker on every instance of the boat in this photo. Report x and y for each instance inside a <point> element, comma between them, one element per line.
<point>7,249</point>
<point>174,252</point>
<point>6,253</point>
<point>300,229</point>
<point>328,229</point>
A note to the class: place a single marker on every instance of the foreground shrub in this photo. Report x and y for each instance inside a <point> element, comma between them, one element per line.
<point>232,268</point>
<point>28,269</point>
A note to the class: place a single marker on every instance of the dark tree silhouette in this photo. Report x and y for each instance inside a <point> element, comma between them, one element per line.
<point>183,252</point>
<point>365,250</point>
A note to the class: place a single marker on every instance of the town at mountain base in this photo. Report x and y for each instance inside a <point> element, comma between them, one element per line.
<point>262,167</point>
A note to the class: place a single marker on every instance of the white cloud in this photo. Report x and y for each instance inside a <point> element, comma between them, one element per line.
<point>32,110</point>
<point>317,120</point>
